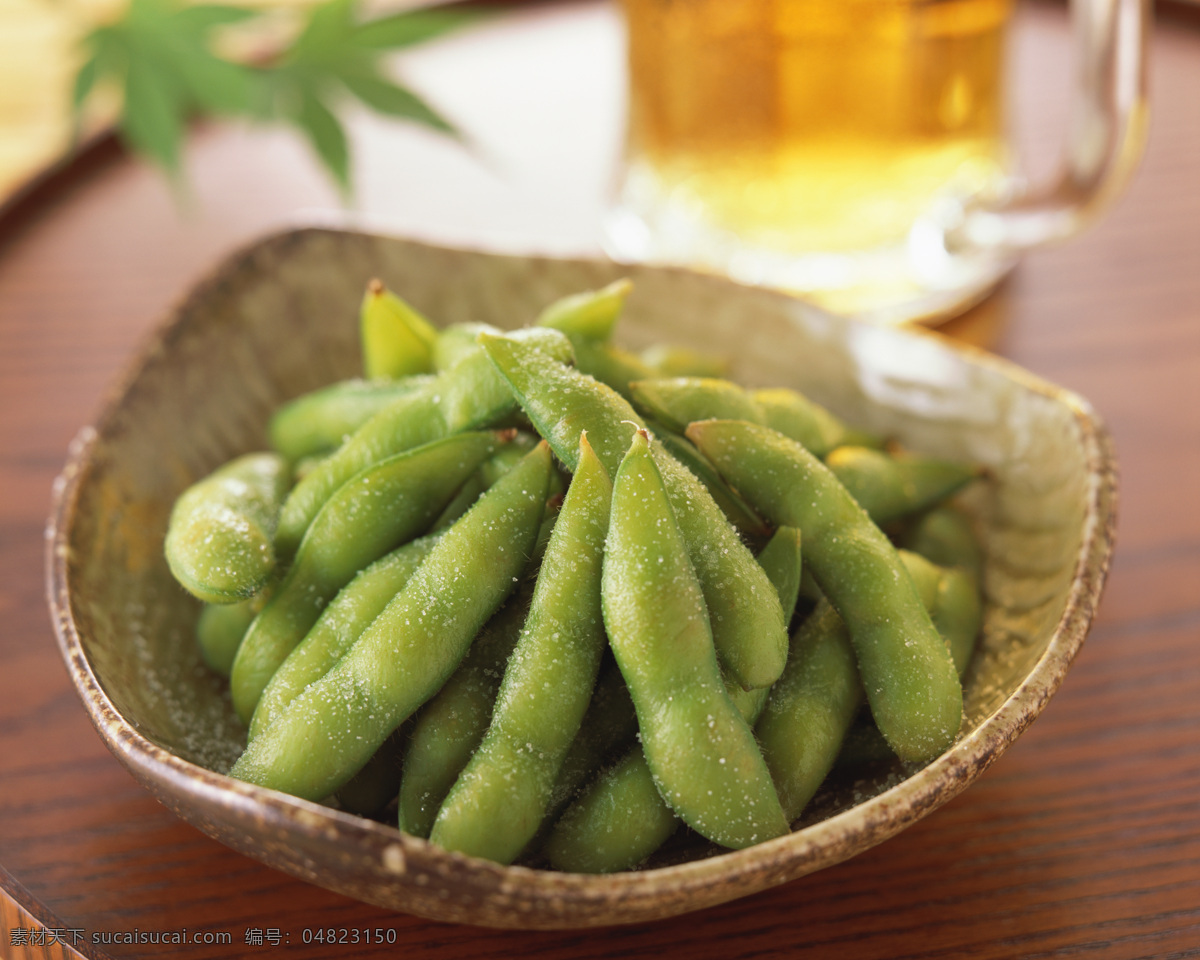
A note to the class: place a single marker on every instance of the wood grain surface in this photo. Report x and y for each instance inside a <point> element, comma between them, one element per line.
<point>1083,841</point>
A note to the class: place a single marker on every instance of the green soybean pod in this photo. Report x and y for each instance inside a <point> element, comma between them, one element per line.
<point>610,364</point>
<point>609,724</point>
<point>220,629</point>
<point>890,487</point>
<point>954,604</point>
<point>699,748</point>
<point>502,796</point>
<point>469,396</point>
<point>491,470</point>
<point>591,315</point>
<point>946,536</point>
<point>383,506</point>
<point>782,561</point>
<point>744,611</point>
<point>317,423</point>
<point>911,683</point>
<point>456,342</point>
<point>618,821</point>
<point>396,340</point>
<point>678,401</point>
<point>810,708</point>
<point>588,319</point>
<point>219,542</point>
<point>471,490</point>
<point>621,819</point>
<point>327,733</point>
<point>810,713</point>
<point>370,790</point>
<point>958,615</point>
<point>669,360</point>
<point>339,625</point>
<point>736,510</point>
<point>863,744</point>
<point>447,730</point>
<point>808,423</point>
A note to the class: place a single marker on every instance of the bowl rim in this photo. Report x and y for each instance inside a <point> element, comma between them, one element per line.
<point>738,872</point>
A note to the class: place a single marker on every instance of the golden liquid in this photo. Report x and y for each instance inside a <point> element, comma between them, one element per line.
<point>814,125</point>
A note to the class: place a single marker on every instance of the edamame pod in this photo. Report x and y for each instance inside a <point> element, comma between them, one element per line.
<point>621,818</point>
<point>384,505</point>
<point>703,756</point>
<point>618,821</point>
<point>327,733</point>
<point>447,730</point>
<point>219,538</point>
<point>736,510</point>
<point>370,790</point>
<point>782,562</point>
<point>890,487</point>
<point>908,673</point>
<point>668,360</point>
<point>945,536</point>
<point>610,364</point>
<point>747,622</point>
<point>319,422</point>
<point>591,315</point>
<point>396,340</point>
<point>337,628</point>
<point>588,319</point>
<point>678,401</point>
<point>455,342</point>
<point>501,798</point>
<point>810,709</point>
<point>954,605</point>
<point>220,629</point>
<point>808,423</point>
<point>468,396</point>
<point>609,724</point>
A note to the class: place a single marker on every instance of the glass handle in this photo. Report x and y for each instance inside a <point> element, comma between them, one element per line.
<point>1106,134</point>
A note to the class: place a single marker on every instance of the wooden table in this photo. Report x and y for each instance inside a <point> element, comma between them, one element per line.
<point>1084,840</point>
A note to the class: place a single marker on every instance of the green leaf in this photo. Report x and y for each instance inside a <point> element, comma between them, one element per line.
<point>216,85</point>
<point>152,119</point>
<point>205,17</point>
<point>410,28</point>
<point>325,133</point>
<point>161,53</point>
<point>395,101</point>
<point>85,80</point>
<point>325,36</point>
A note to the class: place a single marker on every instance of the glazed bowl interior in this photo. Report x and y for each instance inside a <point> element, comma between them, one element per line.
<point>279,318</point>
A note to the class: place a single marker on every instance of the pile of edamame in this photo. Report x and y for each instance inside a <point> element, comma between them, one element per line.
<point>540,599</point>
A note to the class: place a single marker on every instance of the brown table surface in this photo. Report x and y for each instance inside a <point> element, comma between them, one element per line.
<point>1084,840</point>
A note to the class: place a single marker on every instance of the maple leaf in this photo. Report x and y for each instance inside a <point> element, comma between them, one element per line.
<point>161,56</point>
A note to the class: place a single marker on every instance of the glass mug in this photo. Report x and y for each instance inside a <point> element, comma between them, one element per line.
<point>855,151</point>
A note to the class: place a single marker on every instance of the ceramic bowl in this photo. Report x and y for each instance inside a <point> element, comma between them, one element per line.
<point>279,318</point>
